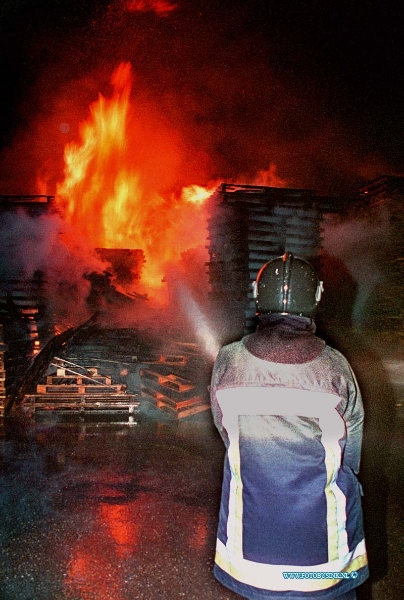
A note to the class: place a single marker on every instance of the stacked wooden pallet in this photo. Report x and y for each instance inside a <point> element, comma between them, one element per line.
<point>3,349</point>
<point>21,302</point>
<point>292,226</point>
<point>26,325</point>
<point>172,393</point>
<point>248,226</point>
<point>67,390</point>
<point>102,345</point>
<point>383,309</point>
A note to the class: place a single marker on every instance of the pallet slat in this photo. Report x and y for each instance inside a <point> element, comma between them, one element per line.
<point>88,392</point>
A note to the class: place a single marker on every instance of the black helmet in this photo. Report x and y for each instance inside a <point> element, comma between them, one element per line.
<point>287,285</point>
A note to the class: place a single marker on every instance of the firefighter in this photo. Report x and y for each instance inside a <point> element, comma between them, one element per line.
<point>290,414</point>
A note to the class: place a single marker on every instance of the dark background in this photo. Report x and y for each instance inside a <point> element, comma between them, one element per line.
<point>313,87</point>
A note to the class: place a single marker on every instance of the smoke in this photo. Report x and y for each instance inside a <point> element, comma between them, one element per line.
<point>359,242</point>
<point>26,242</point>
<point>33,247</point>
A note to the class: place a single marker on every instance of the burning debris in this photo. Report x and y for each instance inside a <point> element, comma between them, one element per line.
<point>126,264</point>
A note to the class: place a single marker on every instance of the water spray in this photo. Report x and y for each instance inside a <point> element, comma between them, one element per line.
<point>199,322</point>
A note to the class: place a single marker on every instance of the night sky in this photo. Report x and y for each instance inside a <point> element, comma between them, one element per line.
<point>315,88</point>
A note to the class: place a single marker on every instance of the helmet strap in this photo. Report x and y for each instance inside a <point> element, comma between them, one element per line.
<point>319,291</point>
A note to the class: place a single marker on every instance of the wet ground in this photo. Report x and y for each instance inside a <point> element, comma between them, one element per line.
<point>109,511</point>
<point>125,511</point>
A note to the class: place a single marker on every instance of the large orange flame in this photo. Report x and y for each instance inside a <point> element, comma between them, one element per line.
<point>120,188</point>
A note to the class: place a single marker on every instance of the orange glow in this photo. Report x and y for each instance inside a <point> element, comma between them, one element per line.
<point>269,177</point>
<point>86,576</point>
<point>160,7</point>
<point>121,184</point>
<point>123,530</point>
<point>199,531</point>
<point>197,194</point>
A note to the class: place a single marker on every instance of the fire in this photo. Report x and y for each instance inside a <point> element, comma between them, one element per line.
<point>120,188</point>
<point>269,177</point>
<point>197,194</point>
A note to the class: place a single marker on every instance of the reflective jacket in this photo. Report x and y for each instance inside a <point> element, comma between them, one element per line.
<point>290,521</point>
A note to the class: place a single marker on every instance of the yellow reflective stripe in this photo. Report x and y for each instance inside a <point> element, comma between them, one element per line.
<point>332,508</point>
<point>235,518</point>
<point>357,563</point>
<point>269,577</point>
<point>335,499</point>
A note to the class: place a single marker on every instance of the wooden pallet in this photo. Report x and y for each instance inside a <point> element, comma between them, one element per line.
<point>80,380</point>
<point>64,391</point>
<point>169,360</point>
<point>185,411</point>
<point>163,399</point>
<point>171,393</point>
<point>171,381</point>
<point>80,389</point>
<point>248,226</point>
<point>177,410</point>
<point>84,403</point>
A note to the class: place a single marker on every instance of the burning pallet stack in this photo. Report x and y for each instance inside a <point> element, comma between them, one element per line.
<point>248,226</point>
<point>176,383</point>
<point>71,388</point>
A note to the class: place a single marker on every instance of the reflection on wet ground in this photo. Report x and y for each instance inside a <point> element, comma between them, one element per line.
<point>109,511</point>
<point>119,511</point>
